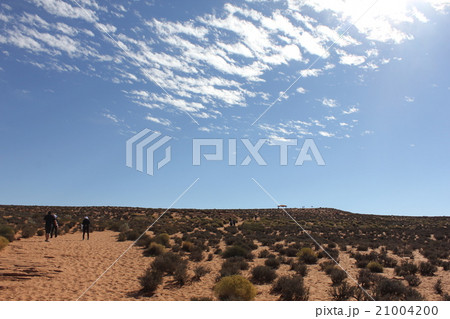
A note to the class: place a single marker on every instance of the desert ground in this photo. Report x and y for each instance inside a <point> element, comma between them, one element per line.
<point>187,254</point>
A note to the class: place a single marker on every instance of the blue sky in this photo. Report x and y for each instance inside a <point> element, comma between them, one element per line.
<point>366,80</point>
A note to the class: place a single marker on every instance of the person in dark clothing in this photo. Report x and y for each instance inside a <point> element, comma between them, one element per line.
<point>49,223</point>
<point>54,229</point>
<point>85,224</point>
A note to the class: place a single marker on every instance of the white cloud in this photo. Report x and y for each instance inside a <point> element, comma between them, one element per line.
<point>111,117</point>
<point>326,134</point>
<point>329,102</point>
<point>301,90</point>
<point>409,99</point>
<point>310,72</point>
<point>161,121</point>
<point>367,132</point>
<point>351,110</point>
<point>350,59</point>
<point>329,118</point>
<point>63,9</point>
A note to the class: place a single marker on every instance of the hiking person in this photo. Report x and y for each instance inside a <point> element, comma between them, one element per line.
<point>54,228</point>
<point>85,225</point>
<point>49,222</point>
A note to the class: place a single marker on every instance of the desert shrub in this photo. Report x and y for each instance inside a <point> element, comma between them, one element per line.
<point>144,241</point>
<point>300,268</point>
<point>154,250</point>
<point>327,266</point>
<point>199,272</point>
<point>393,290</point>
<point>187,246</point>
<point>229,269</point>
<point>438,287</point>
<point>7,232</point>
<point>163,239</point>
<point>3,242</point>
<point>241,262</point>
<point>235,288</point>
<point>373,266</point>
<point>150,280</point>
<point>218,251</point>
<point>337,276</point>
<point>446,297</point>
<point>291,288</point>
<point>132,235</point>
<point>427,269</point>
<point>263,275</point>
<point>210,257</point>
<point>28,231</point>
<point>180,274</point>
<point>291,252</point>
<point>362,247</point>
<point>307,255</point>
<point>123,227</point>
<point>122,236</point>
<point>445,265</point>
<point>265,253</point>
<point>406,268</point>
<point>196,255</point>
<point>272,263</point>
<point>40,232</point>
<point>334,253</point>
<point>343,292</point>
<point>365,278</point>
<point>167,263</point>
<point>413,280</point>
<point>235,251</point>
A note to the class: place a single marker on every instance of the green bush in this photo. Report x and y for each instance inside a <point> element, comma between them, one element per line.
<point>235,288</point>
<point>7,232</point>
<point>307,255</point>
<point>263,275</point>
<point>154,250</point>
<point>150,280</point>
<point>291,288</point>
<point>3,242</point>
<point>40,232</point>
<point>373,266</point>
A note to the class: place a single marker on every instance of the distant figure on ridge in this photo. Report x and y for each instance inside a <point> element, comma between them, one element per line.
<point>54,228</point>
<point>85,225</point>
<point>49,224</point>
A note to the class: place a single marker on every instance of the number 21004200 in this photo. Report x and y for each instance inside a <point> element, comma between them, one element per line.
<point>403,310</point>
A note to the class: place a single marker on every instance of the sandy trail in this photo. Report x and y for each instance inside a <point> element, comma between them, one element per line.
<point>31,269</point>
